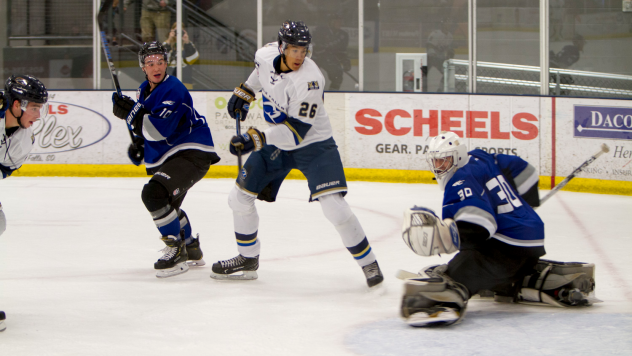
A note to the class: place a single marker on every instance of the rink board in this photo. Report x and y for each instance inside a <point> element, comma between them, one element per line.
<point>381,136</point>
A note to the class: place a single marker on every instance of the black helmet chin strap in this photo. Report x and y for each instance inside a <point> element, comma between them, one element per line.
<point>19,118</point>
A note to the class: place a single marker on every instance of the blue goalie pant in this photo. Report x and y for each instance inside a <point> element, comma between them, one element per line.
<point>320,162</point>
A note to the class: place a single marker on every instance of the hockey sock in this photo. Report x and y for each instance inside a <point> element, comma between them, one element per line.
<point>246,222</point>
<point>156,199</point>
<point>338,212</point>
<point>186,226</point>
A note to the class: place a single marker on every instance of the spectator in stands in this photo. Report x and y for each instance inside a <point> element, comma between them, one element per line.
<point>190,55</point>
<point>440,47</point>
<point>155,18</point>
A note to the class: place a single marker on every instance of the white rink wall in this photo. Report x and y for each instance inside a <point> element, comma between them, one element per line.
<point>379,130</point>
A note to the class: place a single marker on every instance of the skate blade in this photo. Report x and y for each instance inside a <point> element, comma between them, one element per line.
<point>3,326</point>
<point>196,263</point>
<point>421,319</point>
<point>174,271</point>
<point>245,276</point>
<point>401,274</point>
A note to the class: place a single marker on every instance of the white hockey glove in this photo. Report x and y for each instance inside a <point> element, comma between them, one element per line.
<point>427,235</point>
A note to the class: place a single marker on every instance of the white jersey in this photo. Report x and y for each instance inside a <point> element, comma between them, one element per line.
<point>14,149</point>
<point>292,102</point>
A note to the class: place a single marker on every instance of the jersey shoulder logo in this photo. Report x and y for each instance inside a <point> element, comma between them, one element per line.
<point>168,102</point>
<point>458,183</point>
<point>313,85</point>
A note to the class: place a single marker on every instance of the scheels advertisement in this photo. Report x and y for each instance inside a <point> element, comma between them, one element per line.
<point>395,133</point>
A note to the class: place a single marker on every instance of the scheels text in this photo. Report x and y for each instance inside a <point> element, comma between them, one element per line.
<point>478,124</point>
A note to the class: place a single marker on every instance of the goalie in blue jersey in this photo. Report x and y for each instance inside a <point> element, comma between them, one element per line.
<point>488,218</point>
<point>175,143</point>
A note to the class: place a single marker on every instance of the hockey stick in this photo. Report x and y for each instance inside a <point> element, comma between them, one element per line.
<point>604,149</point>
<point>238,129</point>
<point>106,50</point>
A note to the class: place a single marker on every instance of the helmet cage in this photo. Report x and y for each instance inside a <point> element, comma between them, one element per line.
<point>446,165</point>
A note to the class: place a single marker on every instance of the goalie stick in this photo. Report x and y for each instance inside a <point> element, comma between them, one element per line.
<point>604,149</point>
<point>106,50</point>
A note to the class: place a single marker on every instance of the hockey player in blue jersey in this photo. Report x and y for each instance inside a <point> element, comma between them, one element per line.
<point>488,217</point>
<point>299,136</point>
<point>177,147</point>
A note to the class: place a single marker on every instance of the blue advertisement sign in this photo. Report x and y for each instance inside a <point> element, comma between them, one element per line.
<point>603,122</point>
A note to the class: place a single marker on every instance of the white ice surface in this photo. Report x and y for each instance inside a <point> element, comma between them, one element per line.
<point>77,277</point>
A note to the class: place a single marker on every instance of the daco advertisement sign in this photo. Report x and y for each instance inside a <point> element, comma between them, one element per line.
<point>393,131</point>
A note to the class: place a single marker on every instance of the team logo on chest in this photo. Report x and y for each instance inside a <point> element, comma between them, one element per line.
<point>312,85</point>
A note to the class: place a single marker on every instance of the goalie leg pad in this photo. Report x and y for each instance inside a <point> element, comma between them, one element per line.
<point>433,299</point>
<point>561,284</point>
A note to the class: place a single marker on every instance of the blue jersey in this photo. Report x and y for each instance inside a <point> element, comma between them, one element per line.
<point>479,193</point>
<point>172,125</point>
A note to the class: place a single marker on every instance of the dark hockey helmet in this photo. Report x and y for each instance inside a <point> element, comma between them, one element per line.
<point>26,88</point>
<point>150,49</point>
<point>296,34</point>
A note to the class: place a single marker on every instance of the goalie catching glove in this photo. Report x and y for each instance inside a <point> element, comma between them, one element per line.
<point>253,139</point>
<point>240,102</point>
<point>427,235</point>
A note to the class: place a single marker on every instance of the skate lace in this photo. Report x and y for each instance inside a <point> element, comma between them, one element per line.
<point>235,261</point>
<point>169,252</point>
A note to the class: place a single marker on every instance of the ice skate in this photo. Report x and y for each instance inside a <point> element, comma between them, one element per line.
<point>194,253</point>
<point>3,326</point>
<point>173,262</point>
<point>373,274</point>
<point>226,269</point>
<point>434,316</point>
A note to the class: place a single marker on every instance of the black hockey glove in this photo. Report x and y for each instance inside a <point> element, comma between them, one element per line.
<point>122,105</point>
<point>135,119</point>
<point>253,139</point>
<point>136,151</point>
<point>240,102</point>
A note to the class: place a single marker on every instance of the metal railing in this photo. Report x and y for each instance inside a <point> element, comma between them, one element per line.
<point>501,78</point>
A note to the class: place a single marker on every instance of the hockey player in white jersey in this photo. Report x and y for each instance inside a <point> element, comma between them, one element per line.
<point>25,100</point>
<point>299,136</point>
<point>487,217</point>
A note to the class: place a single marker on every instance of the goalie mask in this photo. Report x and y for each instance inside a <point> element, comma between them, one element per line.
<point>26,89</point>
<point>296,34</point>
<point>445,155</point>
